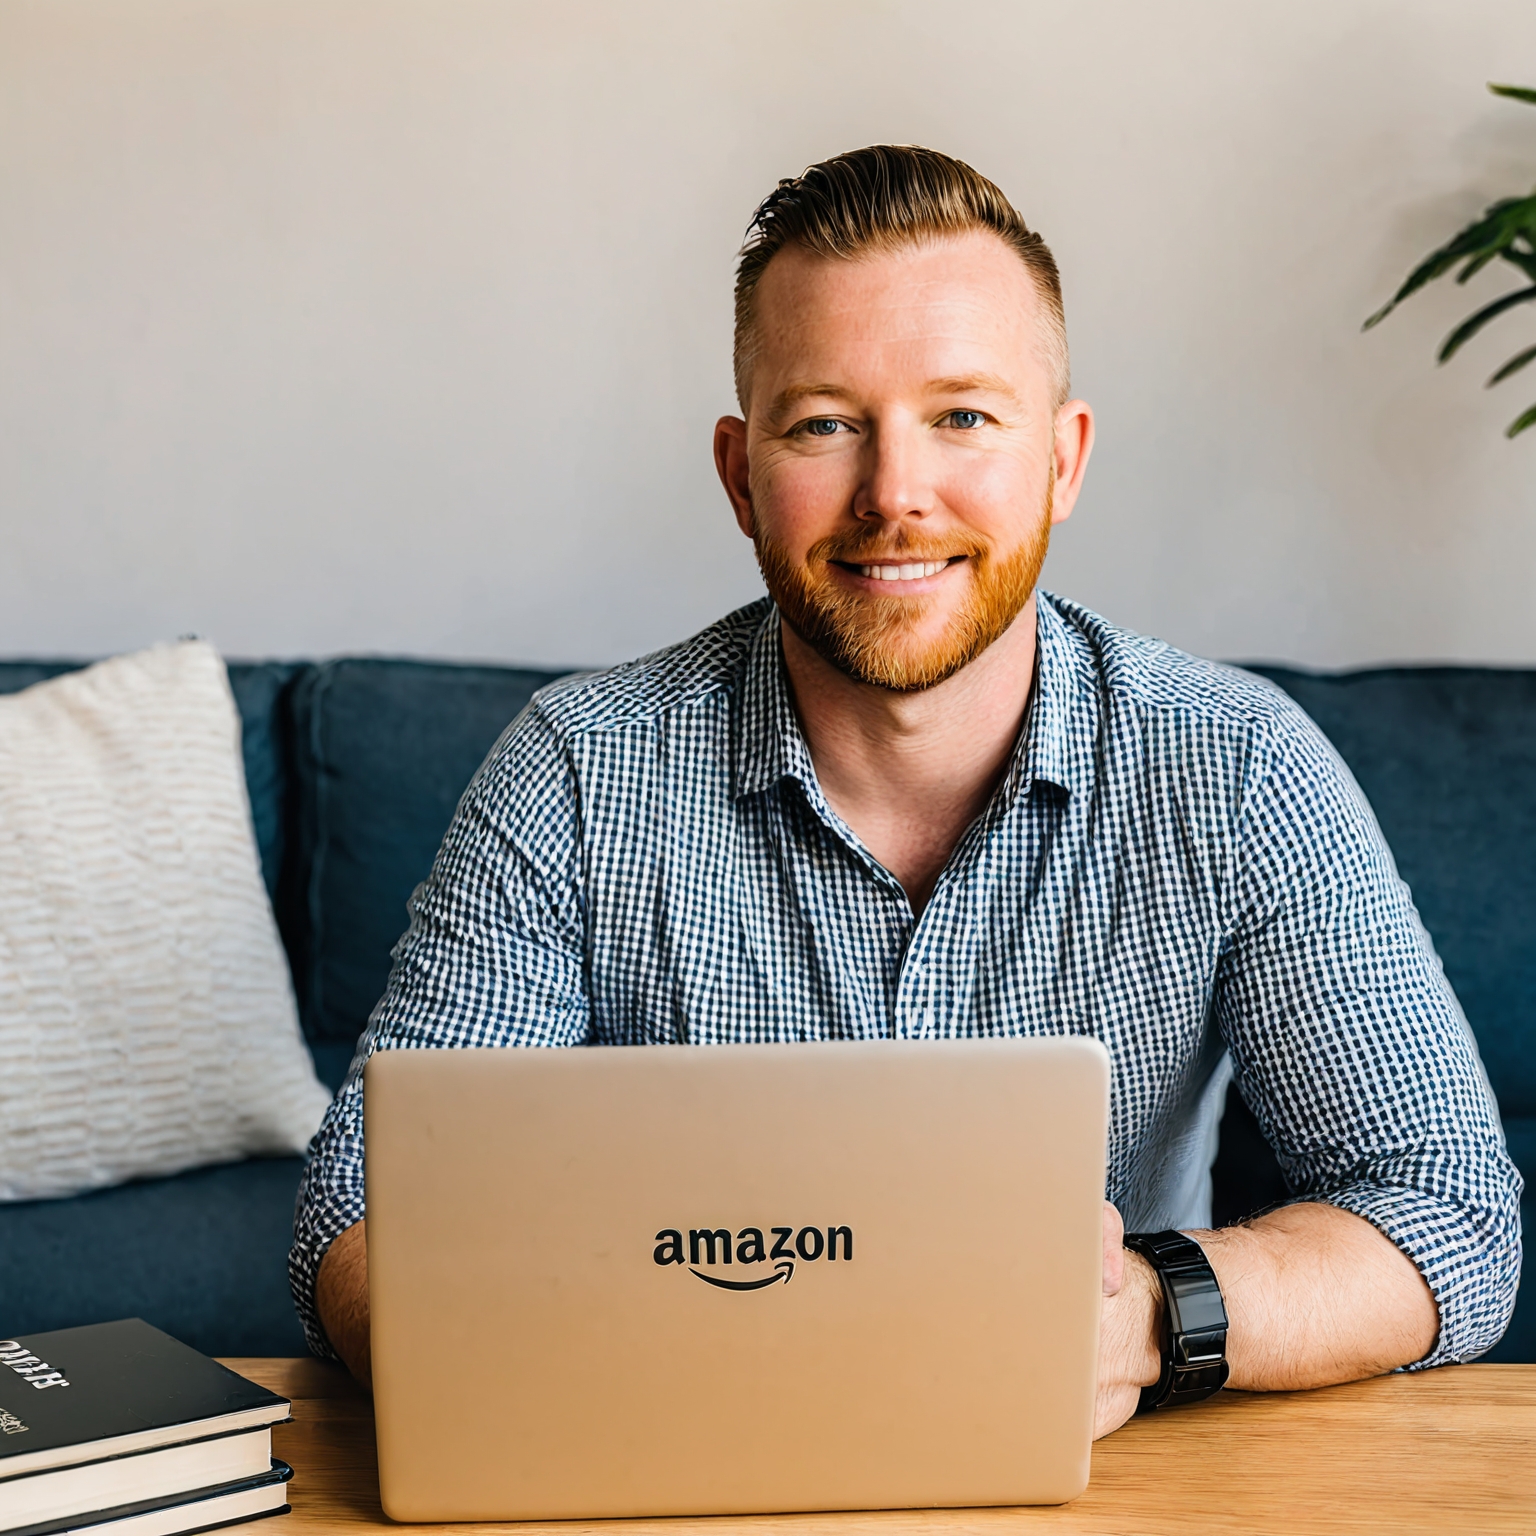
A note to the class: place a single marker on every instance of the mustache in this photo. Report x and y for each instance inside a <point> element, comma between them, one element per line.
<point>875,546</point>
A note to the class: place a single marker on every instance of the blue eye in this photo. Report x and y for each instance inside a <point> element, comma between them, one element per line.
<point>966,420</point>
<point>821,426</point>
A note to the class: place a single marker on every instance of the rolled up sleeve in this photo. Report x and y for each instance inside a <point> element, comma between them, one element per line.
<point>1350,1047</point>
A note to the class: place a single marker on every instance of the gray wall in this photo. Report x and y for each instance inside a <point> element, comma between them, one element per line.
<point>332,325</point>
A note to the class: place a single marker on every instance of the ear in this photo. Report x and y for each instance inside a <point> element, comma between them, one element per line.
<point>731,466</point>
<point>1074,442</point>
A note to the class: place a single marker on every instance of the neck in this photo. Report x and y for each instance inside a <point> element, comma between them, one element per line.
<point>909,772</point>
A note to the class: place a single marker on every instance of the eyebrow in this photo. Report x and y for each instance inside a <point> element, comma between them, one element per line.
<point>974,383</point>
<point>795,393</point>
<point>958,384</point>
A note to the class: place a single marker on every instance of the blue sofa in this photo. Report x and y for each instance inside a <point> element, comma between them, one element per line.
<point>355,766</point>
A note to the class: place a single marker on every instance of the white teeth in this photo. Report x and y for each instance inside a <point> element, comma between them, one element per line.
<point>902,572</point>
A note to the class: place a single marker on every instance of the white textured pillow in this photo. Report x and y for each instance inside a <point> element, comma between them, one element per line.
<point>147,1022</point>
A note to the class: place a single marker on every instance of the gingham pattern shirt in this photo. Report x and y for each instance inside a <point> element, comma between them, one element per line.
<point>1175,862</point>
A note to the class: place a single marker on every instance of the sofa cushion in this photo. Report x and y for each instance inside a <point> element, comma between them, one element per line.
<point>261,694</point>
<point>384,749</point>
<point>202,1255</point>
<point>147,1021</point>
<point>260,690</point>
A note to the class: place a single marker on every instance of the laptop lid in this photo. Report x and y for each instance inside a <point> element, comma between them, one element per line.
<point>669,1280</point>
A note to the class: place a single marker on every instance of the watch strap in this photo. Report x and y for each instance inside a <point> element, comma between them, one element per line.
<point>1194,1330</point>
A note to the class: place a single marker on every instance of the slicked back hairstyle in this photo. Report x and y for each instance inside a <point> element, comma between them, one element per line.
<point>882,199</point>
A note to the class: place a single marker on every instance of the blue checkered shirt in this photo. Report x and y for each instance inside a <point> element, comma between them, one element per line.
<point>1175,862</point>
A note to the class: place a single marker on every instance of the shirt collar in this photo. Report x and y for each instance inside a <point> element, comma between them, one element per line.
<point>1049,749</point>
<point>768,744</point>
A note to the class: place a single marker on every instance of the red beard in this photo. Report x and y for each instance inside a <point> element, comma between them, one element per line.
<point>873,638</point>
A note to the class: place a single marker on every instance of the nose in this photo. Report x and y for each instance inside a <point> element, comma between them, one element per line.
<point>897,483</point>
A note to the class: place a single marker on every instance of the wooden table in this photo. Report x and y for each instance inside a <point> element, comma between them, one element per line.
<point>1447,1451</point>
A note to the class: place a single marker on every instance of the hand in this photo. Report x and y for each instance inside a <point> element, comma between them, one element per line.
<point>1130,1357</point>
<point>341,1299</point>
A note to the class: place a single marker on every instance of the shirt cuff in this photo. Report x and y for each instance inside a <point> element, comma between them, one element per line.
<point>1469,1257</point>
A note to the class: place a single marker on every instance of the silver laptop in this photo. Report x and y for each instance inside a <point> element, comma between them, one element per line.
<point>674,1280</point>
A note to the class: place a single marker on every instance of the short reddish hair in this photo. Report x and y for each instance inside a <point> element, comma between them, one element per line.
<point>880,199</point>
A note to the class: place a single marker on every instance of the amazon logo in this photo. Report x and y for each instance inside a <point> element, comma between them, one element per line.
<point>716,1246</point>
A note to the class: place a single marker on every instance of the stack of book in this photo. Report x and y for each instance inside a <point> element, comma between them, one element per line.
<point>118,1430</point>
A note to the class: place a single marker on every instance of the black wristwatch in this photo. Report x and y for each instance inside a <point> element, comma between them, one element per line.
<point>1194,1321</point>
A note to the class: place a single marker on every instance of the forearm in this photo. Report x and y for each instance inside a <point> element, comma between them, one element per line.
<point>341,1299</point>
<point>1316,1295</point>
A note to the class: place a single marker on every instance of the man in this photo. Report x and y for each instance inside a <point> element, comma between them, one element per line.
<point>910,796</point>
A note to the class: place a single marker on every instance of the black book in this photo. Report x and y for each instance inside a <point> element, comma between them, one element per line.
<point>99,1417</point>
<point>203,1509</point>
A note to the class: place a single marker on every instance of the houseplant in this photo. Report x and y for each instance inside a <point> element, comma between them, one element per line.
<point>1505,232</point>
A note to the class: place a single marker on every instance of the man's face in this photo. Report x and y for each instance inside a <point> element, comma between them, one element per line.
<point>900,453</point>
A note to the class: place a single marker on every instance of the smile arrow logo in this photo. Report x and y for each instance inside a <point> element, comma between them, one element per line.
<point>784,1270</point>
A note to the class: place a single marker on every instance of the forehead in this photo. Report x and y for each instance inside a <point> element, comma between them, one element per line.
<point>950,306</point>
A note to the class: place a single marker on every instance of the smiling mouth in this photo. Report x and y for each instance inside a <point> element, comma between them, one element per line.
<point>912,570</point>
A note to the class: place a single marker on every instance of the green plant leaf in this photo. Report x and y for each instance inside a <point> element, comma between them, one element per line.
<point>1514,365</point>
<point>1492,235</point>
<point>1506,232</point>
<point>1472,325</point>
<point>1477,264</point>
